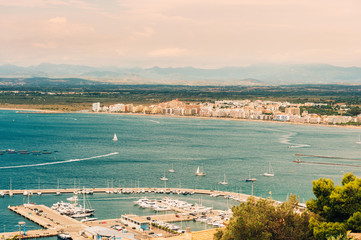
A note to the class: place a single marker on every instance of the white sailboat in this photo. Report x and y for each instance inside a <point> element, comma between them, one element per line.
<point>115,138</point>
<point>270,172</point>
<point>172,169</point>
<point>164,178</point>
<point>57,191</point>
<point>39,192</point>
<point>359,139</point>
<point>200,173</point>
<point>224,181</point>
<point>10,191</point>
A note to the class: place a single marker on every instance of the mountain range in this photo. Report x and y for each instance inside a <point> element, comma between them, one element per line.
<point>254,75</point>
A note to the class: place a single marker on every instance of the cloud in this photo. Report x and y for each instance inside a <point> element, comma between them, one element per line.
<point>45,45</point>
<point>169,52</point>
<point>58,20</point>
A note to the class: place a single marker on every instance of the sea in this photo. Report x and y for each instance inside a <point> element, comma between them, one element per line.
<point>84,155</point>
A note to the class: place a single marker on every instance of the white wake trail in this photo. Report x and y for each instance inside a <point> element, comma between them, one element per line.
<point>60,162</point>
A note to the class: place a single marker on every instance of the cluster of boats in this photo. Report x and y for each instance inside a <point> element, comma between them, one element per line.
<point>169,226</point>
<point>25,152</point>
<point>168,204</point>
<point>74,209</point>
<point>216,220</point>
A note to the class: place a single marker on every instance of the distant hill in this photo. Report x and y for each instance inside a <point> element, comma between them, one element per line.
<point>46,82</point>
<point>254,75</point>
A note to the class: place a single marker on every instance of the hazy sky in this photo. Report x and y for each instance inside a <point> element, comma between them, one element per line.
<point>200,33</point>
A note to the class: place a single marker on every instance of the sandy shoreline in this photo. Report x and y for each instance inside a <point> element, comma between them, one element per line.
<point>176,116</point>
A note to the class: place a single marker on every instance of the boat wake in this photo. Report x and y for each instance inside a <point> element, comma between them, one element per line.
<point>286,139</point>
<point>299,146</point>
<point>154,121</point>
<point>60,162</point>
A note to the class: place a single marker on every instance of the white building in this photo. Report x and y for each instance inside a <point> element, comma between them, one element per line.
<point>96,107</point>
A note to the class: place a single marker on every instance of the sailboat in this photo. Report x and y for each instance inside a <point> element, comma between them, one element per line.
<point>57,191</point>
<point>115,138</point>
<point>249,179</point>
<point>172,169</point>
<point>164,178</point>
<point>39,192</point>
<point>10,191</point>
<point>224,181</point>
<point>200,173</point>
<point>359,139</point>
<point>84,212</point>
<point>270,172</point>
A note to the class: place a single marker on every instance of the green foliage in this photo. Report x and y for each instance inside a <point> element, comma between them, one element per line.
<point>324,230</point>
<point>264,220</point>
<point>354,222</point>
<point>339,207</point>
<point>340,237</point>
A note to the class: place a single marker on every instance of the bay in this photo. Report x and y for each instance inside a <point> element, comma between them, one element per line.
<point>149,144</point>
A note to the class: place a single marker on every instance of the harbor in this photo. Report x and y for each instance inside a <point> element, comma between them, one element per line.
<point>54,222</point>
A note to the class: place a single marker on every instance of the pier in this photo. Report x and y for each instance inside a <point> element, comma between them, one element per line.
<point>241,196</point>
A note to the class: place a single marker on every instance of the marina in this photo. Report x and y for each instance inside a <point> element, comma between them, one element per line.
<point>55,222</point>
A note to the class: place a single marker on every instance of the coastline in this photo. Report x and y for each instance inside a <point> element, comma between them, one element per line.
<point>178,116</point>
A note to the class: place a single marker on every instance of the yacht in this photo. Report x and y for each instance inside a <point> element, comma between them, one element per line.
<point>115,138</point>
<point>199,172</point>
<point>249,179</point>
<point>171,170</point>
<point>270,172</point>
<point>224,181</point>
<point>164,178</point>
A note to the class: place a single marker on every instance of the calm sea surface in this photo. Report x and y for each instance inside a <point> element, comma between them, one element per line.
<point>147,145</point>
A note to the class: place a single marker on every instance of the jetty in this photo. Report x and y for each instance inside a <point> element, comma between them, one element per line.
<point>241,196</point>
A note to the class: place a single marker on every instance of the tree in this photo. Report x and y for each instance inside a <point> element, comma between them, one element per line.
<point>339,207</point>
<point>263,219</point>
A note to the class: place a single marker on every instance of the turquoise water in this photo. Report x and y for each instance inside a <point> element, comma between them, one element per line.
<point>147,145</point>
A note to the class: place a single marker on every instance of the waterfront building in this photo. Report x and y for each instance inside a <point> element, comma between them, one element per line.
<point>96,107</point>
<point>281,118</point>
<point>135,221</point>
<point>101,233</point>
<point>293,111</point>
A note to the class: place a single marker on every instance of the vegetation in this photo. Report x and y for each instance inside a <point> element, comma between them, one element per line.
<point>339,207</point>
<point>262,219</point>
<point>69,98</point>
<point>332,215</point>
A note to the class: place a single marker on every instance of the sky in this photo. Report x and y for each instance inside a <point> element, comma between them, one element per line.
<point>178,33</point>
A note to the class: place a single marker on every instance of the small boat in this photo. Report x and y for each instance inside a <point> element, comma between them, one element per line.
<point>10,191</point>
<point>64,236</point>
<point>73,198</point>
<point>200,173</point>
<point>2,194</point>
<point>88,219</point>
<point>47,152</point>
<point>171,170</point>
<point>39,192</point>
<point>224,181</point>
<point>270,172</point>
<point>359,139</point>
<point>115,138</point>
<point>249,179</point>
<point>57,191</point>
<point>81,215</point>
<point>164,178</point>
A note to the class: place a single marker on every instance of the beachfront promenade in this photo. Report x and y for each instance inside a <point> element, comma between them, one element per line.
<point>53,222</point>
